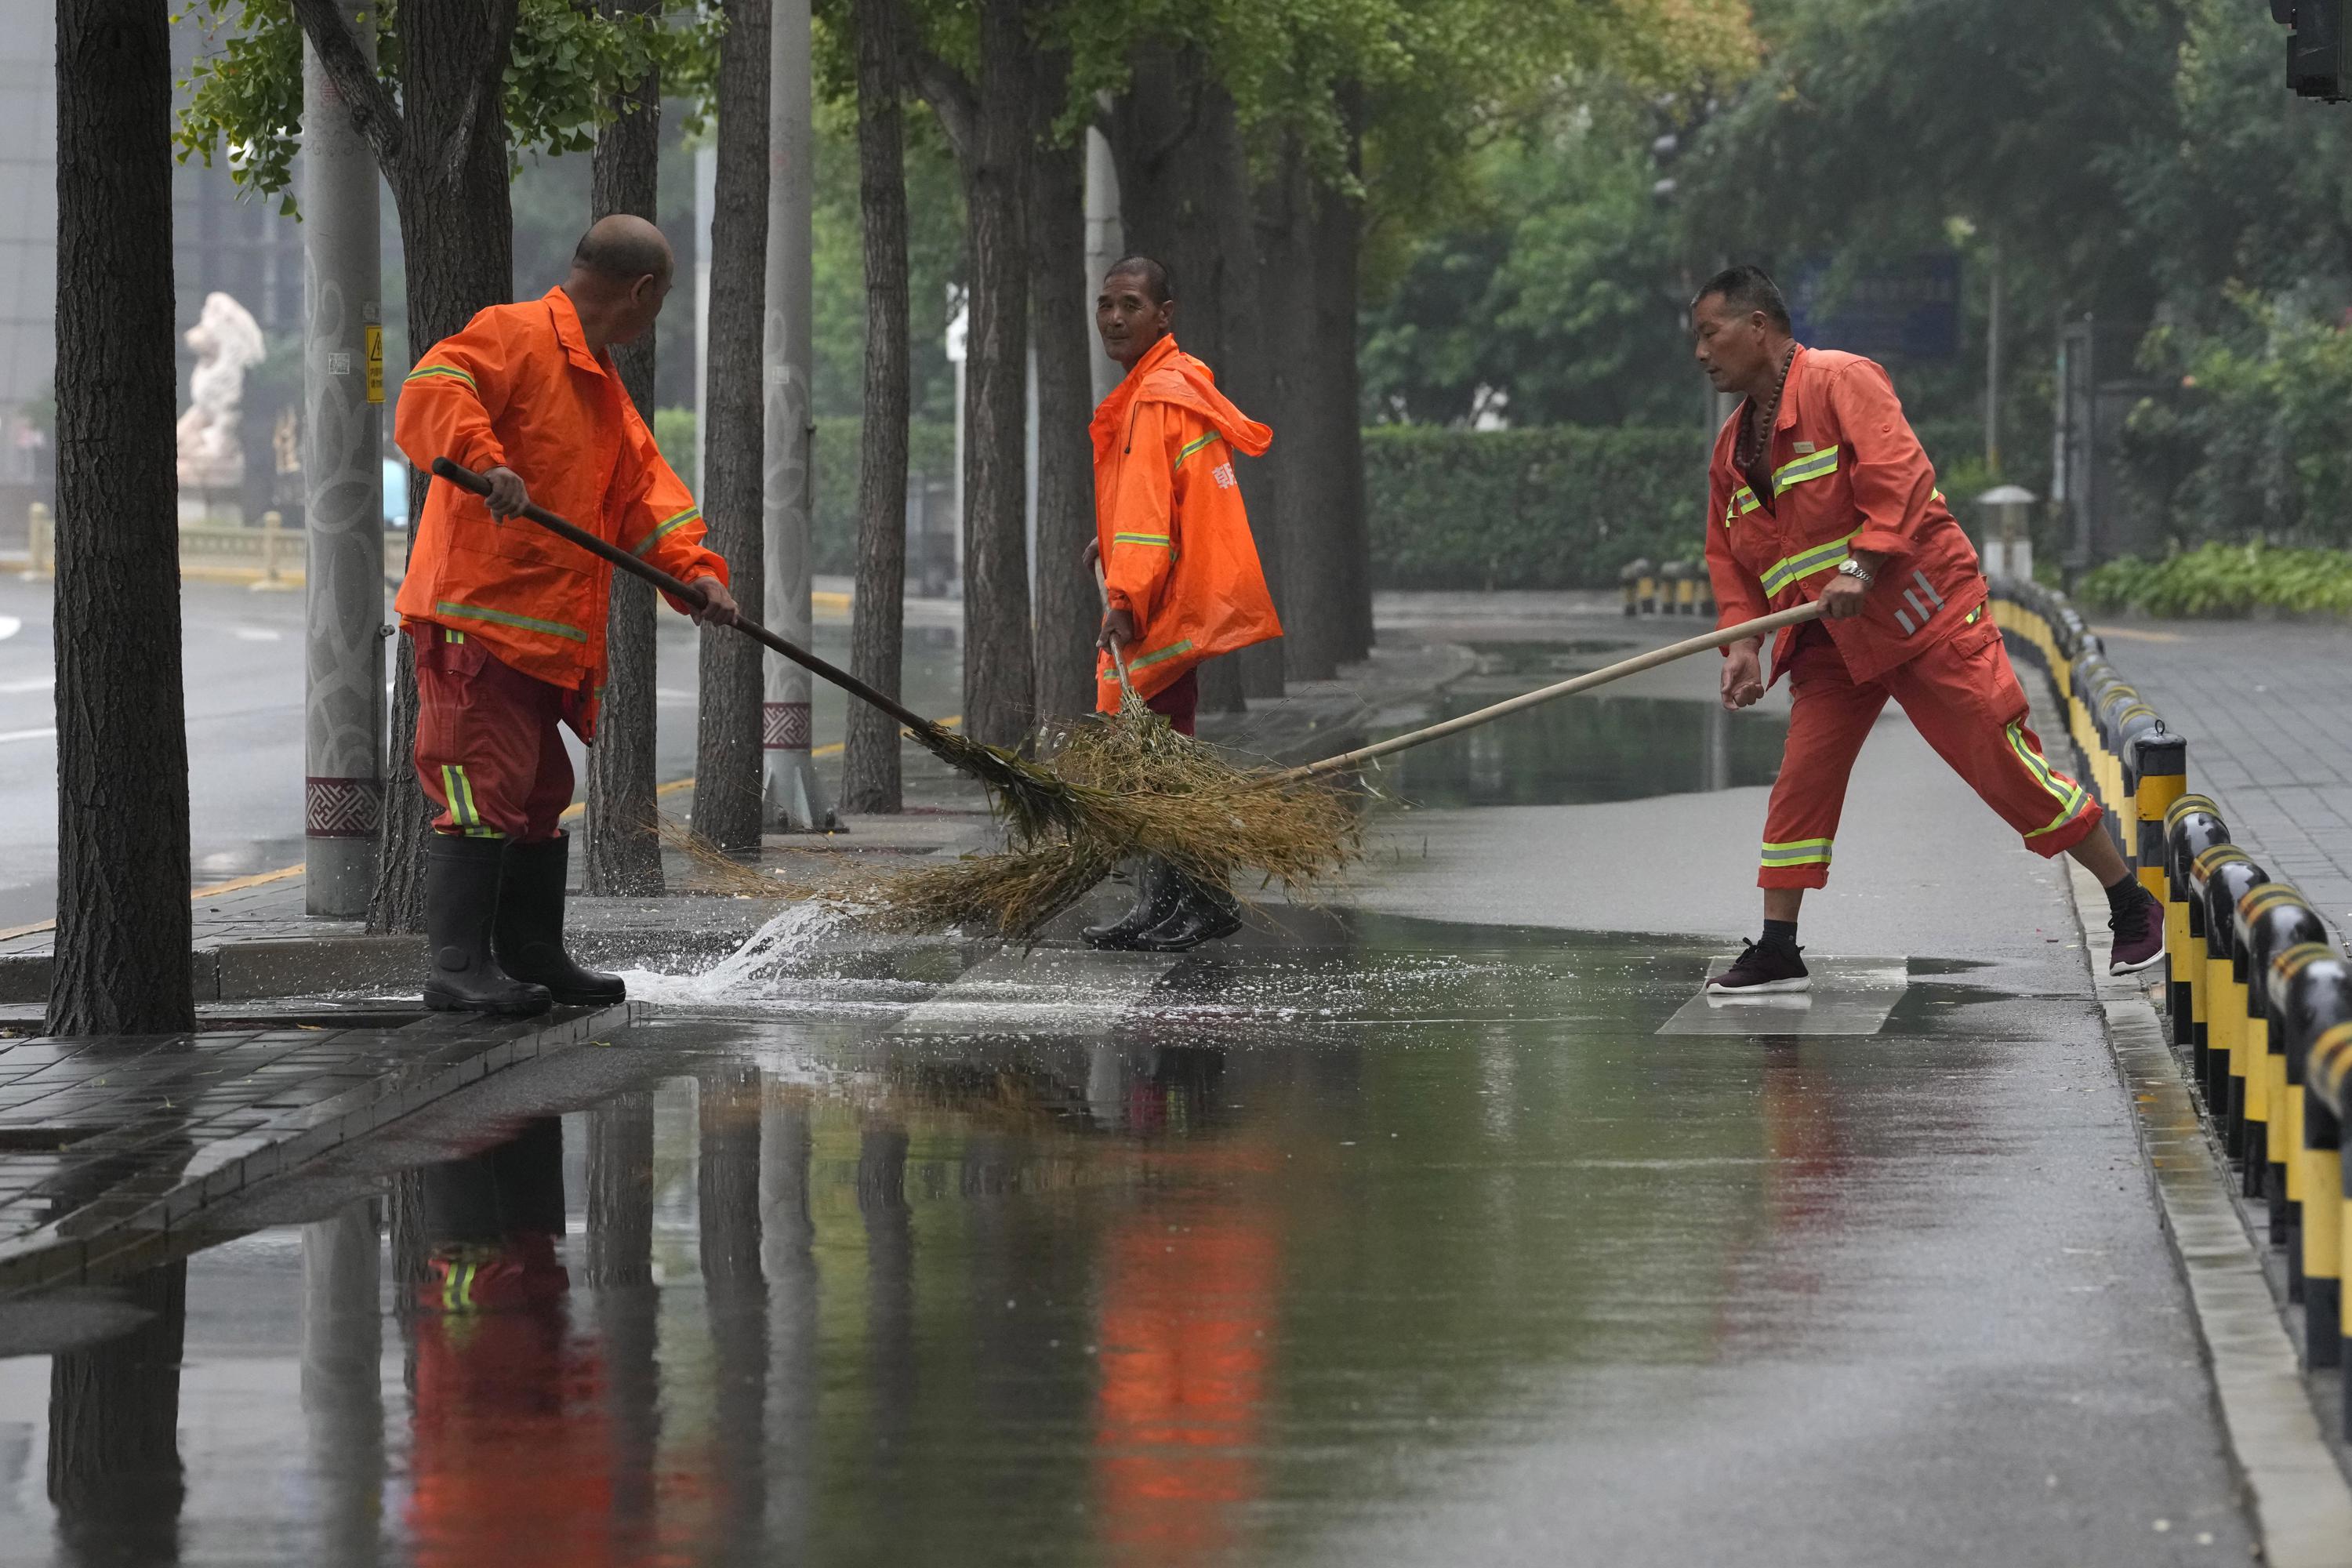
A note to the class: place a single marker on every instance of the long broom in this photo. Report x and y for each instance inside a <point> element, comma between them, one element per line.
<point>1034,801</point>
<point>1285,822</point>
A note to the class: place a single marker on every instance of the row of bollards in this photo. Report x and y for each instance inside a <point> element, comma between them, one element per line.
<point>2258,1000</point>
<point>1678,588</point>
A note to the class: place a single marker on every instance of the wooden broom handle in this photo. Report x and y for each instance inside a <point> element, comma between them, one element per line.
<point>1761,626</point>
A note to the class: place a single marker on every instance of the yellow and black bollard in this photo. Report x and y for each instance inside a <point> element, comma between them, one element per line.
<point>2191,826</point>
<point>2155,773</point>
<point>1685,578</point>
<point>2311,991</point>
<point>2327,1073</point>
<point>2230,878</point>
<point>2271,919</point>
<point>1635,580</point>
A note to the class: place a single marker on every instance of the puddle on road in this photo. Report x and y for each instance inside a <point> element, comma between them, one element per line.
<point>1294,1235</point>
<point>1578,751</point>
<point>1582,751</point>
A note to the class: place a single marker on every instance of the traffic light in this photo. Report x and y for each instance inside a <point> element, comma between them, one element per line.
<point>2317,66</point>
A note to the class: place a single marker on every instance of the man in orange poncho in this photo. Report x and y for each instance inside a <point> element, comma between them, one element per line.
<point>508,620</point>
<point>1180,568</point>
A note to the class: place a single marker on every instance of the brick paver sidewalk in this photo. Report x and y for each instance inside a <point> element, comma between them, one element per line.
<point>2267,708</point>
<point>115,1152</point>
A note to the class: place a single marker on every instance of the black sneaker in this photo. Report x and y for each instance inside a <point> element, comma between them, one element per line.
<point>2139,936</point>
<point>1765,969</point>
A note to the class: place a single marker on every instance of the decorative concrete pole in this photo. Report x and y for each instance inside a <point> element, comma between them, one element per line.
<point>342,477</point>
<point>1103,246</point>
<point>792,801</point>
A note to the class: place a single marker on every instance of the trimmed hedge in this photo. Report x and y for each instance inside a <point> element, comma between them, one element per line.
<point>2224,581</point>
<point>1553,507</point>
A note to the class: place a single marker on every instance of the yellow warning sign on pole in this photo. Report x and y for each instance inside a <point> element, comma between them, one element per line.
<point>376,363</point>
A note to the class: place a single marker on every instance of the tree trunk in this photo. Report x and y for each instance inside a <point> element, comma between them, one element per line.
<point>870,780</point>
<point>123,922</point>
<point>734,1288</point>
<point>728,755</point>
<point>1311,269</point>
<point>114,1470</point>
<point>623,843</point>
<point>444,153</point>
<point>998,690</point>
<point>1339,245</point>
<point>1184,200</point>
<point>1069,606</point>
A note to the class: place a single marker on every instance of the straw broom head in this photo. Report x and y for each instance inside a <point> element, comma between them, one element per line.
<point>1140,787</point>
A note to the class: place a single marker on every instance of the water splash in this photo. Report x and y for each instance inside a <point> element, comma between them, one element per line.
<point>792,937</point>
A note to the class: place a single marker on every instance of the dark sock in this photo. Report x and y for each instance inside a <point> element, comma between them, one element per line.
<point>1782,933</point>
<point>2123,895</point>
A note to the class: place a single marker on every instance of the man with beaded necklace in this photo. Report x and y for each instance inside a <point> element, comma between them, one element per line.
<point>1819,490</point>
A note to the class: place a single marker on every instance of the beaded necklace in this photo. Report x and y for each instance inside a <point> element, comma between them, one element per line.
<point>1755,432</point>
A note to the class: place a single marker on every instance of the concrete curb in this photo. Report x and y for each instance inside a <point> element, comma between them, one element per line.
<point>2296,1492</point>
<point>114,1235</point>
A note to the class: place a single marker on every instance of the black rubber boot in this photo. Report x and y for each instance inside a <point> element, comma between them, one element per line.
<point>461,901</point>
<point>531,926</point>
<point>1203,913</point>
<point>1157,892</point>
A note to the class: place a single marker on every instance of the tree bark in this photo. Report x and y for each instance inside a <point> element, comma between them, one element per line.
<point>1311,258</point>
<point>1069,606</point>
<point>998,689</point>
<point>123,921</point>
<point>1184,200</point>
<point>734,1288</point>
<point>114,1470</point>
<point>870,775</point>
<point>728,754</point>
<point>1337,386</point>
<point>443,150</point>
<point>623,842</point>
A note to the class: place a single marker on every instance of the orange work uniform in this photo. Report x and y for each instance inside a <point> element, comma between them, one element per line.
<point>1176,547</point>
<point>508,620</point>
<point>1848,474</point>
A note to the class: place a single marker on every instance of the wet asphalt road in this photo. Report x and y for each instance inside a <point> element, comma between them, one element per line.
<point>1398,1232</point>
<point>243,656</point>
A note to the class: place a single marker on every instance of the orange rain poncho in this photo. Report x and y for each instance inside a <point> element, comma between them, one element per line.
<point>1176,547</point>
<point>519,389</point>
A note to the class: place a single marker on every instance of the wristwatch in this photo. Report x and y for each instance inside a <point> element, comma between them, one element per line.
<point>1849,567</point>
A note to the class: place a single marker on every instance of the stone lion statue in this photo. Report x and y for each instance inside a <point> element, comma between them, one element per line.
<point>227,340</point>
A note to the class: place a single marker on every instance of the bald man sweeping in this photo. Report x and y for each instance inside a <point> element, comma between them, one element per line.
<point>507,620</point>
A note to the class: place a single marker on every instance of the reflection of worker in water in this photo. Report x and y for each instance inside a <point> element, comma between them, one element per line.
<point>1180,567</point>
<point>1819,492</point>
<point>1187,1329</point>
<point>512,1453</point>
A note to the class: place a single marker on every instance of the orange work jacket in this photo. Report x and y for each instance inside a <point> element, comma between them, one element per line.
<point>1847,474</point>
<point>1176,547</point>
<point>519,389</point>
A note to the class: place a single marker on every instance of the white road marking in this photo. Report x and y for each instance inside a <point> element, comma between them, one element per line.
<point>256,633</point>
<point>9,626</point>
<point>37,683</point>
<point>8,735</point>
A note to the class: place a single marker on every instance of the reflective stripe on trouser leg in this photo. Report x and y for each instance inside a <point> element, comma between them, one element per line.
<point>489,752</point>
<point>1963,697</point>
<point>1828,721</point>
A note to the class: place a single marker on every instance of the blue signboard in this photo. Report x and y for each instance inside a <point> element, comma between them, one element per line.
<point>1903,310</point>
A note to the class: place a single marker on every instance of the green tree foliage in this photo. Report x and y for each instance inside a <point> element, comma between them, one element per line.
<point>245,94</point>
<point>1551,300</point>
